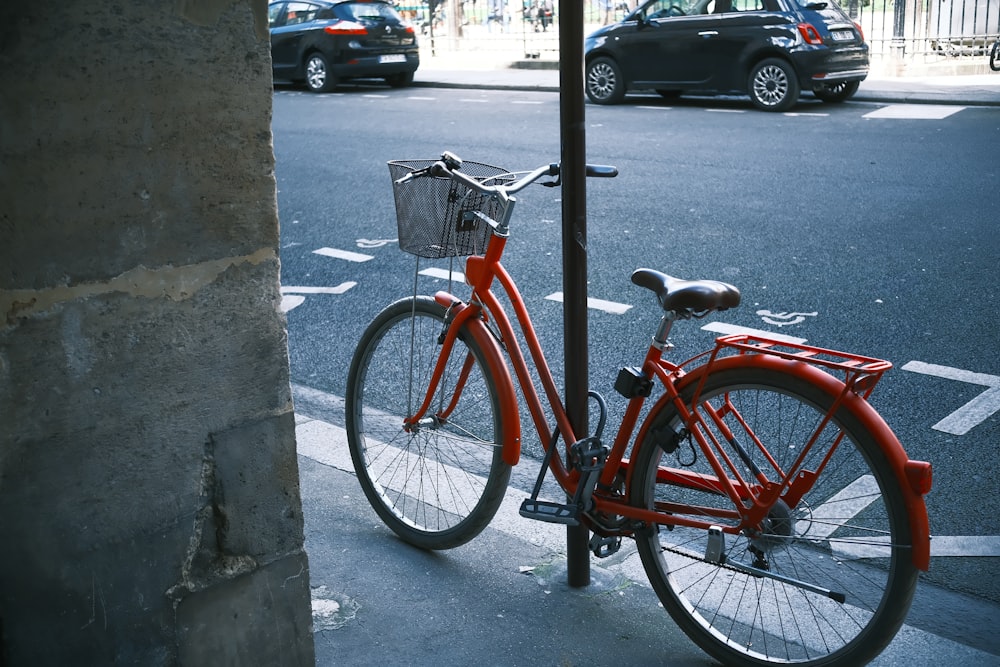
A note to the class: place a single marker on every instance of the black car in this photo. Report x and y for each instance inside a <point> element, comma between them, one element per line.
<point>771,50</point>
<point>322,42</point>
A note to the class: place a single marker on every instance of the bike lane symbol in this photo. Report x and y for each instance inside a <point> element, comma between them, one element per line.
<point>784,319</point>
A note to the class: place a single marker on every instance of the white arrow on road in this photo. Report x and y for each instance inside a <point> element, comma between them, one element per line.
<point>976,411</point>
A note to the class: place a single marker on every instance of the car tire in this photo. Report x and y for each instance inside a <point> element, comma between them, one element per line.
<point>319,78</point>
<point>834,93</point>
<point>773,85</point>
<point>604,81</point>
<point>400,79</point>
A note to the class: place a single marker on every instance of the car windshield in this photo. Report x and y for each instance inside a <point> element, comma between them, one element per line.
<point>368,11</point>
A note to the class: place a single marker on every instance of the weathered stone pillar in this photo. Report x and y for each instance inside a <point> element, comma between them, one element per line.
<point>149,498</point>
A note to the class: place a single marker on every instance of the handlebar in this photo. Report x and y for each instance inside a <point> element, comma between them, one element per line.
<point>449,166</point>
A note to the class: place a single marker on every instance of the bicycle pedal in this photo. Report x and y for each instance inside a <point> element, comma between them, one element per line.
<point>541,510</point>
<point>602,547</point>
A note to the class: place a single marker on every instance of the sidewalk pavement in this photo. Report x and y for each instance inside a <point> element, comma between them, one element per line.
<point>510,71</point>
<point>503,599</point>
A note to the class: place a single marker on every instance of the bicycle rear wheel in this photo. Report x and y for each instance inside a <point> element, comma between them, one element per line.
<point>995,56</point>
<point>436,485</point>
<point>848,535</point>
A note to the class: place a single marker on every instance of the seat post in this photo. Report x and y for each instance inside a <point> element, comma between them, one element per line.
<point>661,337</point>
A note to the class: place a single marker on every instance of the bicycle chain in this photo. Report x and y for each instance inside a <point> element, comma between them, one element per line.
<point>724,566</point>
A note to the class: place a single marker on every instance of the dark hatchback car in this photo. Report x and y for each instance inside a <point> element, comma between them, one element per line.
<point>321,42</point>
<point>771,50</point>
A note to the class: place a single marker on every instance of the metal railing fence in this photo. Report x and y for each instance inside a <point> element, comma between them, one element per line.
<point>904,30</point>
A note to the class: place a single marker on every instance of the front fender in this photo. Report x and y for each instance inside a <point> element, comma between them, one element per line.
<point>466,319</point>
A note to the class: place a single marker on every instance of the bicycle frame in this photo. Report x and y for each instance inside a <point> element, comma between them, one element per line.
<point>751,498</point>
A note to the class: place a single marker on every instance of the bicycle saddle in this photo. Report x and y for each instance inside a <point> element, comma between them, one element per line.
<point>691,296</point>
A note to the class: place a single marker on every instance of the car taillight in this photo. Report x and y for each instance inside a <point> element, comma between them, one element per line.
<point>861,33</point>
<point>809,34</point>
<point>345,28</point>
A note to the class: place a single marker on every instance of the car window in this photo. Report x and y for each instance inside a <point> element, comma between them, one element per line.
<point>275,14</point>
<point>662,9</point>
<point>367,11</point>
<point>300,12</point>
<point>748,5</point>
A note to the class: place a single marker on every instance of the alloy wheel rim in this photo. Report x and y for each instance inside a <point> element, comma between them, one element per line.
<point>315,73</point>
<point>771,85</point>
<point>602,81</point>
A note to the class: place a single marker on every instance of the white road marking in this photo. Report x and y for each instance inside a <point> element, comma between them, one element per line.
<point>973,413</point>
<point>942,546</point>
<point>838,510</point>
<point>784,319</point>
<point>291,296</point>
<point>444,274</point>
<point>343,254</point>
<point>291,301</point>
<point>915,111</point>
<point>526,102</point>
<point>339,289</point>
<point>374,243</point>
<point>327,444</point>
<point>726,329</point>
<point>424,99</point>
<point>596,304</point>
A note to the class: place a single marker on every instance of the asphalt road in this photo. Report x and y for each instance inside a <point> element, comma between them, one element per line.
<point>856,227</point>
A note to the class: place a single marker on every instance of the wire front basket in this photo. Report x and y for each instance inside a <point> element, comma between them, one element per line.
<point>431,210</point>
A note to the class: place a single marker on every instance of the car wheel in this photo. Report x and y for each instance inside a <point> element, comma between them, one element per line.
<point>836,92</point>
<point>605,84</point>
<point>400,80</point>
<point>773,85</point>
<point>319,78</point>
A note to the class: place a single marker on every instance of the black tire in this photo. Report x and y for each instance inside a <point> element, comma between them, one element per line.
<point>439,485</point>
<point>400,79</point>
<point>835,93</point>
<point>835,537</point>
<point>319,78</point>
<point>604,82</point>
<point>773,85</point>
<point>995,56</point>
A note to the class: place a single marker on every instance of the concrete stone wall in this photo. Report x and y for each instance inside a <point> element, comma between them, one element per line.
<point>149,500</point>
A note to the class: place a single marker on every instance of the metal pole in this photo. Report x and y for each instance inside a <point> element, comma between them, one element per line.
<point>574,234</point>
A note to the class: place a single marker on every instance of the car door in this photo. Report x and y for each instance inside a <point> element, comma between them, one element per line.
<point>288,26</point>
<point>664,43</point>
<point>744,27</point>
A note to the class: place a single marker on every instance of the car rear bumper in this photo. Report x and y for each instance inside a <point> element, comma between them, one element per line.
<point>822,65</point>
<point>849,75</point>
<point>362,66</point>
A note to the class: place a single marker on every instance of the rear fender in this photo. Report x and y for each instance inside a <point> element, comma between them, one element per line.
<point>914,477</point>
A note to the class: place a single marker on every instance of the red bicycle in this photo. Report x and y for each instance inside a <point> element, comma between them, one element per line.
<point>777,516</point>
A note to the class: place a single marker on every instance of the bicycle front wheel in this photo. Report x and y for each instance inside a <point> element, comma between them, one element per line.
<point>825,579</point>
<point>436,484</point>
